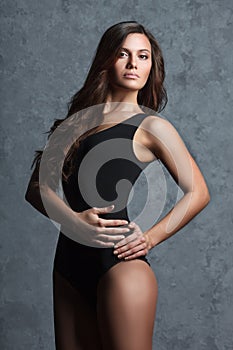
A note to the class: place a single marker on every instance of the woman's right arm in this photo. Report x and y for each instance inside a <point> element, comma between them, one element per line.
<point>85,227</point>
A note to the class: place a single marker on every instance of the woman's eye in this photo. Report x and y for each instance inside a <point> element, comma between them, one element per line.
<point>122,54</point>
<point>144,57</point>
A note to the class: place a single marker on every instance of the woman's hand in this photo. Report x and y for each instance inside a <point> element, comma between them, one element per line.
<point>96,232</point>
<point>83,227</point>
<point>135,245</point>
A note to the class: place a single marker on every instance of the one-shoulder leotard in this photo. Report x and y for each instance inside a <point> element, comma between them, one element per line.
<point>105,166</point>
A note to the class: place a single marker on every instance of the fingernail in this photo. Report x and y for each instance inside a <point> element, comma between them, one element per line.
<point>115,252</point>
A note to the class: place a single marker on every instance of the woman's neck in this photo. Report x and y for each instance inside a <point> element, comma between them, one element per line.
<point>123,95</point>
<point>121,106</point>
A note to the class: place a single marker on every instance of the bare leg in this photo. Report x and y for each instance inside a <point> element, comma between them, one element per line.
<point>127,297</point>
<point>75,323</point>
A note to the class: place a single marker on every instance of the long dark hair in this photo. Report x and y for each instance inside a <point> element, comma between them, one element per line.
<point>96,86</point>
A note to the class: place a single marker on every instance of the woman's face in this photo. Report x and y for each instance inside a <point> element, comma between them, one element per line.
<point>133,64</point>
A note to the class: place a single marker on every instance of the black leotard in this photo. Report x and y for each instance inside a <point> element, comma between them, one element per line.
<point>104,159</point>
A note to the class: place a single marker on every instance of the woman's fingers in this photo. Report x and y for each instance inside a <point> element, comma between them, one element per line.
<point>129,246</point>
<point>133,246</point>
<point>103,210</point>
<point>137,233</point>
<point>102,244</point>
<point>102,232</point>
<point>132,251</point>
<point>108,222</point>
<point>124,243</point>
<point>106,238</point>
<point>142,252</point>
<point>113,230</point>
<point>112,222</point>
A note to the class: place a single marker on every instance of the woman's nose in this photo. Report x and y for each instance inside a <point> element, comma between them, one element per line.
<point>132,62</point>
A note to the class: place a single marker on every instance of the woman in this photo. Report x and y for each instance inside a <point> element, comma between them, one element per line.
<point>105,291</point>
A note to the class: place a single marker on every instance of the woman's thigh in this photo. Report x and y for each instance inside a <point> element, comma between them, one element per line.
<point>75,322</point>
<point>127,297</point>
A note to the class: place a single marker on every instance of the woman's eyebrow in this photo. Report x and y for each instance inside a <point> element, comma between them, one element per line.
<point>124,48</point>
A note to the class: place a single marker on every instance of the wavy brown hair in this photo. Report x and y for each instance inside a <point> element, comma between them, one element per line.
<point>96,86</point>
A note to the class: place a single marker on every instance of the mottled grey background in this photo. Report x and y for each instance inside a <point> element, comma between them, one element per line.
<point>46,50</point>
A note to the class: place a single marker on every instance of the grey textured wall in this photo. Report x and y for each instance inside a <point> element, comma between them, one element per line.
<point>46,49</point>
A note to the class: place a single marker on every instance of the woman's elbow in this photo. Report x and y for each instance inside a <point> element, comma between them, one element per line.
<point>204,196</point>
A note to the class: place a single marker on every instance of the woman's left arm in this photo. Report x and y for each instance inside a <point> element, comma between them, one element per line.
<point>167,145</point>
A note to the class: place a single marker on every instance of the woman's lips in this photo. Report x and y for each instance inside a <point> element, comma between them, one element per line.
<point>131,76</point>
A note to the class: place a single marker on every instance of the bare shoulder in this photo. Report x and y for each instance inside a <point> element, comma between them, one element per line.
<point>157,126</point>
<point>160,136</point>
